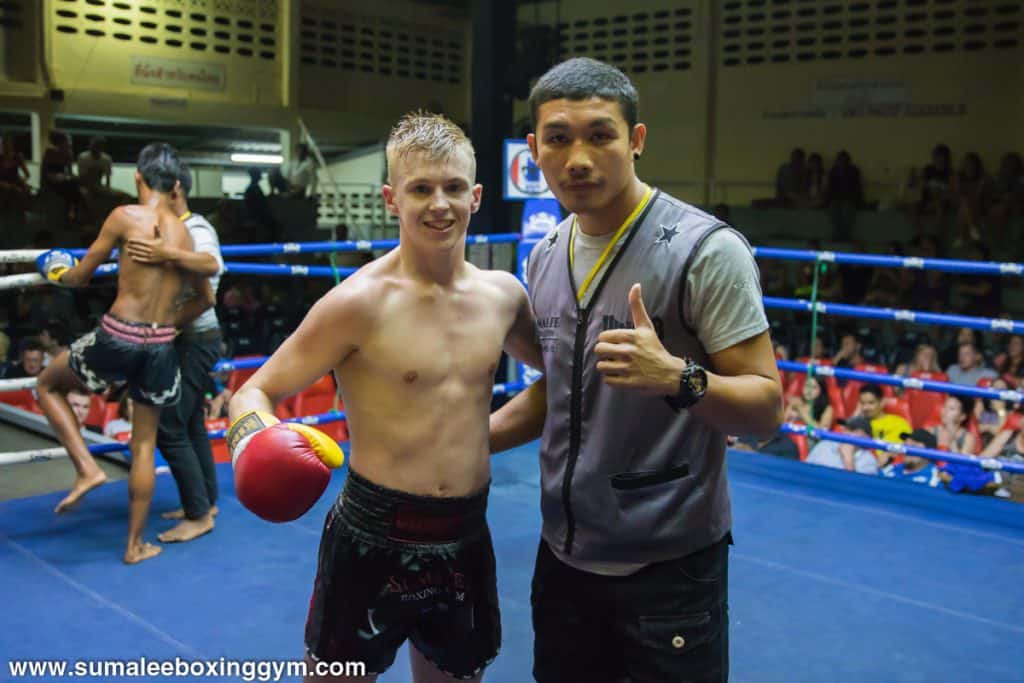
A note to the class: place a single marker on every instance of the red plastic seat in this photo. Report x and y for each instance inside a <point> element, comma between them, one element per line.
<point>21,398</point>
<point>97,412</point>
<point>923,404</point>
<point>319,398</point>
<point>897,406</point>
<point>238,377</point>
<point>801,444</point>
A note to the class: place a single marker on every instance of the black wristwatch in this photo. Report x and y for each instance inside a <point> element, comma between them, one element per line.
<point>693,384</point>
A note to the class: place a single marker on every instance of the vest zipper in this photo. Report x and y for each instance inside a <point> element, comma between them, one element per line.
<point>575,424</point>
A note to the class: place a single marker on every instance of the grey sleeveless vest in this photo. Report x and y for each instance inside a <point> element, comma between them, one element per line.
<point>624,477</point>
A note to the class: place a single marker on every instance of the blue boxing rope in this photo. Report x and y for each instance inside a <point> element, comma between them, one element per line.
<point>877,260</point>
<point>898,315</point>
<point>1007,395</point>
<point>930,454</point>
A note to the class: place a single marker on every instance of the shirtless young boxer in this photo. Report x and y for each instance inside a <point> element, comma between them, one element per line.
<point>414,339</point>
<point>134,342</point>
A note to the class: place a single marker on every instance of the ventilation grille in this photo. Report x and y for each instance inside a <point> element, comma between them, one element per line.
<point>783,31</point>
<point>373,46</point>
<point>242,28</point>
<point>644,42</point>
<point>354,208</point>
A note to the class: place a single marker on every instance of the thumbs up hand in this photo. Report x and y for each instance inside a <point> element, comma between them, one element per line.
<point>636,359</point>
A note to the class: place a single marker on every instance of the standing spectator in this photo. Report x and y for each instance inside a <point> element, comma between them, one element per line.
<point>298,178</point>
<point>14,175</point>
<point>970,366</point>
<point>844,195</point>
<point>845,456</point>
<point>814,181</point>
<point>915,468</point>
<point>30,360</point>
<point>973,191</point>
<point>55,174</point>
<point>1007,196</point>
<point>95,167</point>
<point>935,183</point>
<point>790,183</point>
<point>930,290</point>
<point>951,433</point>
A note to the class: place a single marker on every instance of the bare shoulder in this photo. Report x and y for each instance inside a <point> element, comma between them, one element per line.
<point>503,284</point>
<point>357,298</point>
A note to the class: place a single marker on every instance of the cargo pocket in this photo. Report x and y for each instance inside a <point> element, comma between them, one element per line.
<point>676,634</point>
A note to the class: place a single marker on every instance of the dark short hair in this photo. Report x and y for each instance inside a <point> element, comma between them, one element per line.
<point>159,166</point>
<point>185,178</point>
<point>872,388</point>
<point>581,78</point>
<point>58,331</point>
<point>31,344</point>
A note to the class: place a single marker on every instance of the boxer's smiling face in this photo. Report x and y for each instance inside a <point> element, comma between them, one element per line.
<point>433,198</point>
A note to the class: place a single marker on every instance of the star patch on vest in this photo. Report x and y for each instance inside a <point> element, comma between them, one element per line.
<point>665,234</point>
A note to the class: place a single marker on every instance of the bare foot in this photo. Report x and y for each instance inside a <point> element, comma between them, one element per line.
<point>187,530</point>
<point>180,514</point>
<point>81,487</point>
<point>141,551</point>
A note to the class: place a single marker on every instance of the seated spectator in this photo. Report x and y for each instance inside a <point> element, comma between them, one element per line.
<point>1008,445</point>
<point>951,433</point>
<point>55,174</point>
<point>95,167</point>
<point>970,366</point>
<point>811,407</point>
<point>1010,363</point>
<point>217,396</point>
<point>123,422</point>
<point>915,468</point>
<point>844,195</point>
<point>779,445</point>
<point>55,338</point>
<point>790,184</point>
<point>1007,195</point>
<point>850,353</point>
<point>80,402</point>
<point>29,363</point>
<point>890,287</point>
<point>298,178</point>
<point>992,413</point>
<point>844,456</point>
<point>978,294</point>
<point>14,190</point>
<point>884,426</point>
<point>930,291</point>
<point>926,359</point>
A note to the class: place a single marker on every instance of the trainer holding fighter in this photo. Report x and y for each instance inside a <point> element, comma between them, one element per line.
<point>655,348</point>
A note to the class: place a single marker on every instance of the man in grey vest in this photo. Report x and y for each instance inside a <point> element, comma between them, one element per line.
<point>182,435</point>
<point>656,347</point>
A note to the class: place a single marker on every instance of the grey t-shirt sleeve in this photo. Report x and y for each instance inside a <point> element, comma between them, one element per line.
<point>723,302</point>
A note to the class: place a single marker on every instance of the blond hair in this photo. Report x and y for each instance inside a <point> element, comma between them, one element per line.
<point>430,134</point>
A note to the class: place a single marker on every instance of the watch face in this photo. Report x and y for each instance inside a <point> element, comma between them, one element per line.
<point>697,380</point>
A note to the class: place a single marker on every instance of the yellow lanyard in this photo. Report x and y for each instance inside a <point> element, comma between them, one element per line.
<point>608,249</point>
<point>185,216</point>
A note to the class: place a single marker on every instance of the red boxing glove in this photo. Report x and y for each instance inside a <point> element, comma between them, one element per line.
<point>281,469</point>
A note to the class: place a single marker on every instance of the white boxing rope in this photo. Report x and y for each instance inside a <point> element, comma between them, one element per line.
<point>19,457</point>
<point>20,255</point>
<point>22,280</point>
<point>17,384</point>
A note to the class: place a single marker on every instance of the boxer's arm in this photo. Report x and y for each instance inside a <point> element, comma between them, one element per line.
<point>329,333</point>
<point>521,342</point>
<point>195,306</point>
<point>99,251</point>
<point>521,419</point>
